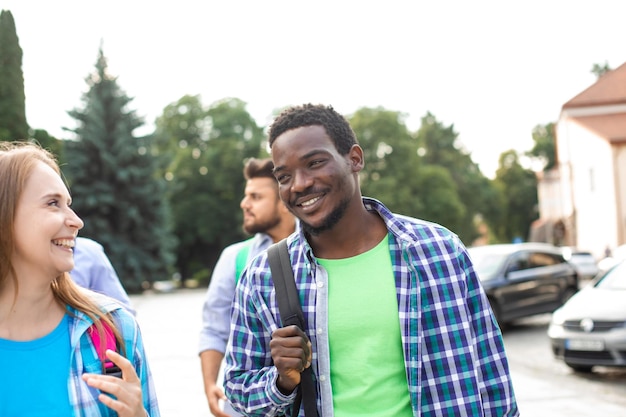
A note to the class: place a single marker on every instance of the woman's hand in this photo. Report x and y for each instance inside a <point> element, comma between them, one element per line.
<point>127,398</point>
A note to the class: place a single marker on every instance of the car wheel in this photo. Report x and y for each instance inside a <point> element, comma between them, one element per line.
<point>585,369</point>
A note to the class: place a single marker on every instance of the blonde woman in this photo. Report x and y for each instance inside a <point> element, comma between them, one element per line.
<point>53,334</point>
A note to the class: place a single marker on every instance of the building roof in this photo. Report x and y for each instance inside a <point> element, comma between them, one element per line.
<point>609,89</point>
<point>611,127</point>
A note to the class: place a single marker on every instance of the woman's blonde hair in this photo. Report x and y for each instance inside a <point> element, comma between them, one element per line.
<point>17,161</point>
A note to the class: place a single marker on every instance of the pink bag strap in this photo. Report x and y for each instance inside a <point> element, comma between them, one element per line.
<point>110,342</point>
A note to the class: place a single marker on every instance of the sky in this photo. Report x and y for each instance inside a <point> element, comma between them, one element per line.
<point>492,69</point>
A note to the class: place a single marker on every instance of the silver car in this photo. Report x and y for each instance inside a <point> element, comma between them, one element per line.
<point>584,262</point>
<point>590,329</point>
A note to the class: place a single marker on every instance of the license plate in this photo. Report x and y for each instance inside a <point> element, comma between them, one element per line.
<point>575,344</point>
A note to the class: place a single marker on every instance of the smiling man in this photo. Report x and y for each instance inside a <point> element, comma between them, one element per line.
<point>397,322</point>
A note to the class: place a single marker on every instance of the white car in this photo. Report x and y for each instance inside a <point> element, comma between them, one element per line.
<point>590,328</point>
<point>618,254</point>
<point>584,262</point>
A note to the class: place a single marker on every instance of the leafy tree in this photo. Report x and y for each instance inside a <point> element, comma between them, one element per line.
<point>473,191</point>
<point>600,69</point>
<point>13,125</point>
<point>113,183</point>
<point>52,144</point>
<point>397,175</point>
<point>391,160</point>
<point>545,145</point>
<point>203,151</point>
<point>519,187</point>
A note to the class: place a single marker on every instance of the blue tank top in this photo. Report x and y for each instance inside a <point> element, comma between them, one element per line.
<point>35,375</point>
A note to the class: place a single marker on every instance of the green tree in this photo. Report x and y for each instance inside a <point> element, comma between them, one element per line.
<point>391,160</point>
<point>112,178</point>
<point>600,69</point>
<point>439,147</point>
<point>13,125</point>
<point>544,148</point>
<point>49,142</point>
<point>395,173</point>
<point>519,188</point>
<point>202,152</point>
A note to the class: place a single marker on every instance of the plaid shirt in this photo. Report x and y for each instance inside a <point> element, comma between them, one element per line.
<point>453,350</point>
<point>84,359</point>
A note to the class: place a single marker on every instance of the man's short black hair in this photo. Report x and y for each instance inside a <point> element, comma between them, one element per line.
<point>336,126</point>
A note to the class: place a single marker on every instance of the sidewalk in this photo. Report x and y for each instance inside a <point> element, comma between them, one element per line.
<point>170,324</point>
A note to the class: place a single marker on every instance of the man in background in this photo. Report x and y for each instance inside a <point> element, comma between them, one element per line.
<point>265,217</point>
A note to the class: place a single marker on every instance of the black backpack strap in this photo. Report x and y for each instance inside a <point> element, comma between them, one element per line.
<point>291,314</point>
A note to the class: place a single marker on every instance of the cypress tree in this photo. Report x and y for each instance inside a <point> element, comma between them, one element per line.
<point>13,124</point>
<point>113,182</point>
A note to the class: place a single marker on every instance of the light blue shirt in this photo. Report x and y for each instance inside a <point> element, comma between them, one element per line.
<point>93,270</point>
<point>221,291</point>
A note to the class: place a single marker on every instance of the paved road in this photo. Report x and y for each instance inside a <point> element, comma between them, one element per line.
<point>170,323</point>
<point>547,387</point>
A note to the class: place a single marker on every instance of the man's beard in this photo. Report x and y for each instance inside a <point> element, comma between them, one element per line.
<point>261,227</point>
<point>329,222</point>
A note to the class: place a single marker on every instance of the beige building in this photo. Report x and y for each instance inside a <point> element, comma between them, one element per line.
<point>582,202</point>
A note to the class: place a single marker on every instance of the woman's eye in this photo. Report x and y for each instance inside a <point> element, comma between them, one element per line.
<point>53,203</point>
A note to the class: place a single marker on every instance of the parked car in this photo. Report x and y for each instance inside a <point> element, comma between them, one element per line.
<point>584,262</point>
<point>523,279</point>
<point>618,254</point>
<point>590,329</point>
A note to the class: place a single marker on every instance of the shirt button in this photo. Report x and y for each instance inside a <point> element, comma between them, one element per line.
<point>320,284</point>
<point>322,378</point>
<point>319,331</point>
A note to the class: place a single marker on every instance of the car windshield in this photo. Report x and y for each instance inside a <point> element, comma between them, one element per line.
<point>615,279</point>
<point>486,263</point>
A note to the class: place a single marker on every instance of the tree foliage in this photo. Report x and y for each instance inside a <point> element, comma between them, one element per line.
<point>600,69</point>
<point>544,147</point>
<point>115,191</point>
<point>439,147</point>
<point>519,188</point>
<point>391,161</point>
<point>13,125</point>
<point>202,152</point>
<point>421,174</point>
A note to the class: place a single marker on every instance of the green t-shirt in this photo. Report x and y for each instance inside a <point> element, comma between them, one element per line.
<point>367,369</point>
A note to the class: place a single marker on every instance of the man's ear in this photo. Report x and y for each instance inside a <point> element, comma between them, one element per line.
<point>355,156</point>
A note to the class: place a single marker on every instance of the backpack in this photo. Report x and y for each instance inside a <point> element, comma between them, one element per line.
<point>242,259</point>
<point>291,314</point>
<point>109,343</point>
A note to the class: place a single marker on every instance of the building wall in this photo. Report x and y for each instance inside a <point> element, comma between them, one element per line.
<point>620,190</point>
<point>586,164</point>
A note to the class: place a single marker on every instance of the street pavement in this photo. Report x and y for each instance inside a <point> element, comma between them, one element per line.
<point>170,323</point>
